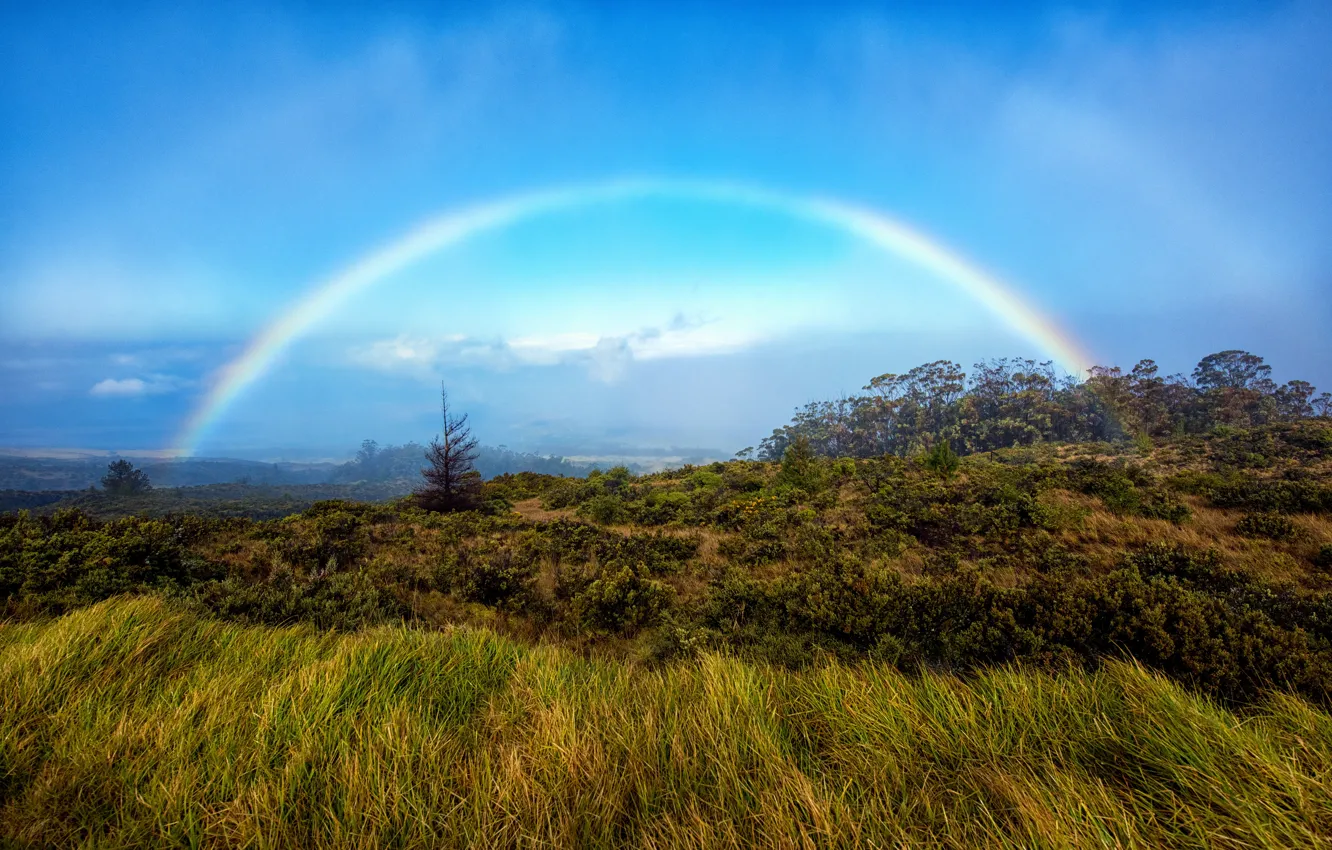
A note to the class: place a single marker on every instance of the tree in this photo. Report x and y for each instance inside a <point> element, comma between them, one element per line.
<point>1322,406</point>
<point>1233,369</point>
<point>123,478</point>
<point>452,482</point>
<point>368,452</point>
<point>1293,400</point>
<point>800,467</point>
<point>1237,387</point>
<point>942,460</point>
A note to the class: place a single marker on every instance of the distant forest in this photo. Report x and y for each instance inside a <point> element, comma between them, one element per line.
<point>373,463</point>
<point>390,463</point>
<point>1015,402</point>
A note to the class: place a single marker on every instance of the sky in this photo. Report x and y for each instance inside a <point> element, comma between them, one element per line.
<point>177,180</point>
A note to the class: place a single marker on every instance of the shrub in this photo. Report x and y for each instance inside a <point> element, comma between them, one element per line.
<point>344,601</point>
<point>704,479</point>
<point>562,494</point>
<point>325,539</point>
<point>1323,560</point>
<point>752,552</point>
<point>1284,496</point>
<point>1177,611</point>
<point>844,468</point>
<point>800,468</point>
<point>1270,524</point>
<point>621,601</point>
<point>657,553</point>
<point>605,510</point>
<point>942,460</point>
<point>493,578</point>
<point>662,507</point>
<point>564,540</point>
<point>69,560</point>
<point>675,641</point>
<point>1113,485</point>
<point>1160,504</point>
<point>742,476</point>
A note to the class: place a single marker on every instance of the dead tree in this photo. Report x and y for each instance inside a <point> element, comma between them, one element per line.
<point>451,480</point>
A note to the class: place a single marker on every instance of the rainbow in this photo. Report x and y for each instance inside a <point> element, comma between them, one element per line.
<point>452,228</point>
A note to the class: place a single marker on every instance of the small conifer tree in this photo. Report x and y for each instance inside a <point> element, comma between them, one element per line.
<point>800,467</point>
<point>451,480</point>
<point>942,460</point>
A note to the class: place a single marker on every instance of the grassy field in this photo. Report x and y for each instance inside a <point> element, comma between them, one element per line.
<point>136,722</point>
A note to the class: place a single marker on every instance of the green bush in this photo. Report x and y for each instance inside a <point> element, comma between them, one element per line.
<point>657,553</point>
<point>753,552</point>
<point>344,600</point>
<point>1282,495</point>
<point>500,577</point>
<point>69,560</point>
<point>1176,611</point>
<point>1113,485</point>
<point>1129,490</point>
<point>566,540</point>
<point>1323,560</point>
<point>800,467</point>
<point>620,602</point>
<point>844,468</point>
<point>743,477</point>
<point>942,460</point>
<point>562,494</point>
<point>1160,504</point>
<point>325,539</point>
<point>605,510</point>
<point>662,507</point>
<point>1271,525</point>
<point>705,479</point>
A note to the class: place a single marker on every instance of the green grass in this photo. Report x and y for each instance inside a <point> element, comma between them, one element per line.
<point>136,723</point>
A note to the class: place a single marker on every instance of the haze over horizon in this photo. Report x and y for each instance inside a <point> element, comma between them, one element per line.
<point>1150,177</point>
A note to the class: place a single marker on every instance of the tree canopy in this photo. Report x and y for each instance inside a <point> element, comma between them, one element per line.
<point>124,478</point>
<point>1015,402</point>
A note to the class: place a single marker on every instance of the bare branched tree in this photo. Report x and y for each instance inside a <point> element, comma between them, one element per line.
<point>452,482</point>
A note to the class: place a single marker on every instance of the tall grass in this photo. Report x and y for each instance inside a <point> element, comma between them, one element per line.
<point>135,723</point>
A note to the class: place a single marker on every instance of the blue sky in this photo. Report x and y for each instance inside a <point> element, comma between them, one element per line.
<point>1152,176</point>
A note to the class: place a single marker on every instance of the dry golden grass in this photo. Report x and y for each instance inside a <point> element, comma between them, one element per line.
<point>136,724</point>
<point>1103,537</point>
<point>530,509</point>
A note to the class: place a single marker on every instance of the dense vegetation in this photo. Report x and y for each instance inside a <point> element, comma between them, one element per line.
<point>1047,643</point>
<point>1016,402</point>
<point>1202,558</point>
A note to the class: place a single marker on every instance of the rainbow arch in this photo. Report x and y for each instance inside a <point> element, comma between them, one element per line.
<point>451,228</point>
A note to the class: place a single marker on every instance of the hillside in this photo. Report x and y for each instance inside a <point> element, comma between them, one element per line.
<point>1090,643</point>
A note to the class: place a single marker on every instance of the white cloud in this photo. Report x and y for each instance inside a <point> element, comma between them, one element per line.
<point>605,356</point>
<point>135,387</point>
<point>110,387</point>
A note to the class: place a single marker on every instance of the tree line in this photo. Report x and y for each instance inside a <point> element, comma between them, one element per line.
<point>1015,402</point>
